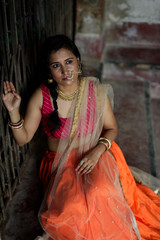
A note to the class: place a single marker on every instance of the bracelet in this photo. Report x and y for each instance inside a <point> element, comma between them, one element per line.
<point>106,140</point>
<point>104,144</point>
<point>17,125</point>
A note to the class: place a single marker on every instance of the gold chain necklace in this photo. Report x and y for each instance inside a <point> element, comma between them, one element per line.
<point>67,97</point>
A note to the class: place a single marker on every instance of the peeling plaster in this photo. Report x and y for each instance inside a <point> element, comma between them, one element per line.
<point>113,18</point>
<point>131,32</point>
<point>119,11</point>
<point>122,6</point>
<point>144,10</point>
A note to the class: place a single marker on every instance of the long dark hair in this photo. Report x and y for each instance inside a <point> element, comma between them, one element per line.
<point>54,43</point>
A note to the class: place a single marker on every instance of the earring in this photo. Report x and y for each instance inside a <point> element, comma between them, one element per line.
<point>80,69</point>
<point>50,80</point>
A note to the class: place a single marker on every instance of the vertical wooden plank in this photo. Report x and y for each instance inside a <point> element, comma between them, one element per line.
<point>8,178</point>
<point>24,25</point>
<point>17,66</point>
<point>2,134</point>
<point>11,159</point>
<point>24,21</point>
<point>5,32</point>
<point>2,173</point>
<point>23,67</point>
<point>13,24</point>
<point>2,206</point>
<point>16,159</point>
<point>71,23</point>
<point>5,160</point>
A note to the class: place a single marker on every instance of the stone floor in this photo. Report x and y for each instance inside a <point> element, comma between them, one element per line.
<point>138,117</point>
<point>22,213</point>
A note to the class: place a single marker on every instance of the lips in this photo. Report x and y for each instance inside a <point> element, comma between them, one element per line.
<point>68,77</point>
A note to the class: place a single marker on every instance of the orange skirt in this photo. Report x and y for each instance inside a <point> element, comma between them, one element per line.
<point>144,203</point>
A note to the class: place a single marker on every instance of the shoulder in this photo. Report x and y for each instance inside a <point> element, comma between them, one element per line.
<point>95,82</point>
<point>92,80</point>
<point>37,98</point>
<point>101,86</point>
<point>43,86</point>
<point>37,92</point>
<point>103,90</point>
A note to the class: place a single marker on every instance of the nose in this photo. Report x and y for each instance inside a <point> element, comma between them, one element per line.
<point>63,69</point>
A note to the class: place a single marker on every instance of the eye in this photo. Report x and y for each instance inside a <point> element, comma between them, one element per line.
<point>56,65</point>
<point>69,61</point>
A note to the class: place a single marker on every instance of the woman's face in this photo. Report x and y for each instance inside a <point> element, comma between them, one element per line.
<point>64,67</point>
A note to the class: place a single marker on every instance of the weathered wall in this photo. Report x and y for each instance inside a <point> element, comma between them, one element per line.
<point>124,32</point>
<point>133,39</point>
<point>96,19</point>
<point>120,43</point>
<point>133,11</point>
<point>89,27</point>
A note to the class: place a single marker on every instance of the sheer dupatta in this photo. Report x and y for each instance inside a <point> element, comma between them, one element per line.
<point>89,206</point>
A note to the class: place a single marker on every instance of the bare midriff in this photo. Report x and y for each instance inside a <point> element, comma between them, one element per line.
<point>53,143</point>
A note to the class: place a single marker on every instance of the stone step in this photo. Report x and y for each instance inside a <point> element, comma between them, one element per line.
<point>141,72</point>
<point>132,54</point>
<point>134,34</point>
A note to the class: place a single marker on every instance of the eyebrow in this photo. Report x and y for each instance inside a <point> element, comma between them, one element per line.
<point>64,60</point>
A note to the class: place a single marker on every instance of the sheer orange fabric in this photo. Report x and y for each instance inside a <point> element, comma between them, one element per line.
<point>144,203</point>
<point>72,202</point>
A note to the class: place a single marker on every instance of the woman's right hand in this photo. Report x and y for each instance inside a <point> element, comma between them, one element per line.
<point>11,99</point>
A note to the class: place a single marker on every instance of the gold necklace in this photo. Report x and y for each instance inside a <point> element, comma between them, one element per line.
<point>67,97</point>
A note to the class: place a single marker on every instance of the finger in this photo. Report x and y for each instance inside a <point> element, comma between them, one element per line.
<point>90,170</point>
<point>12,87</point>
<point>3,96</point>
<point>80,170</point>
<point>5,88</point>
<point>84,163</point>
<point>80,164</point>
<point>16,95</point>
<point>86,169</point>
<point>8,87</point>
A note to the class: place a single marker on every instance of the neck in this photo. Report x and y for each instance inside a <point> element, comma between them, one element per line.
<point>68,89</point>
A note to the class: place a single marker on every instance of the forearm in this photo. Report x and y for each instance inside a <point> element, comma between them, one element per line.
<point>23,130</point>
<point>20,136</point>
<point>110,134</point>
<point>91,158</point>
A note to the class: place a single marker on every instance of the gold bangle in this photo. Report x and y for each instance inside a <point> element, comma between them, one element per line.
<point>104,144</point>
<point>17,125</point>
<point>107,140</point>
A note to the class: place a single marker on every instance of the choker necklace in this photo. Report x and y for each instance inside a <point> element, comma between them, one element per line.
<point>67,97</point>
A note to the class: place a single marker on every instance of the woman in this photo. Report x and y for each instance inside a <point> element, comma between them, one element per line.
<point>89,191</point>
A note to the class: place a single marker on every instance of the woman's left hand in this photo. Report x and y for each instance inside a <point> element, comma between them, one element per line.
<point>89,161</point>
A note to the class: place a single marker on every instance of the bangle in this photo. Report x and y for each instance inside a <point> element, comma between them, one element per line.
<point>17,125</point>
<point>104,144</point>
<point>106,140</point>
